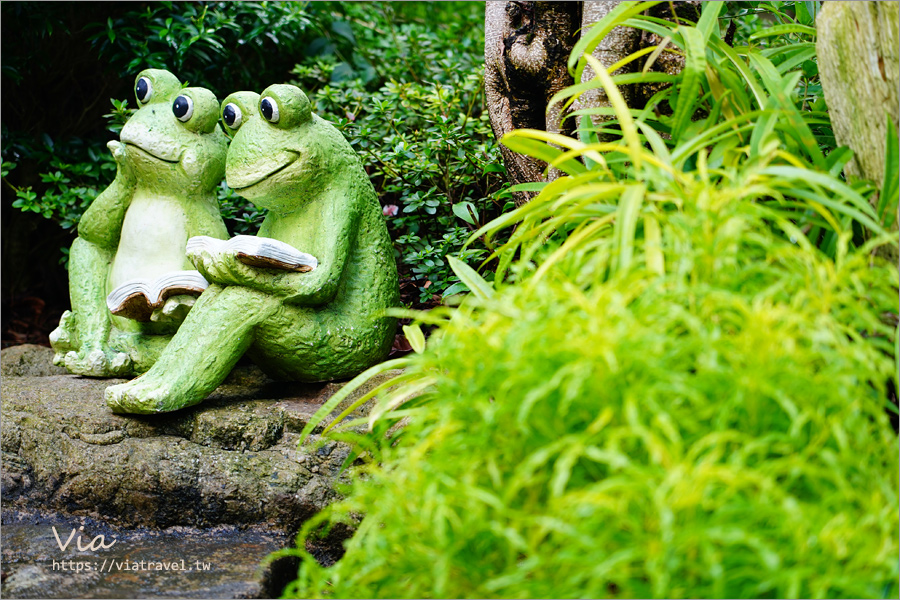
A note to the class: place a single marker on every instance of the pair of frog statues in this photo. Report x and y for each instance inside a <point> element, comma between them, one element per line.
<point>321,325</point>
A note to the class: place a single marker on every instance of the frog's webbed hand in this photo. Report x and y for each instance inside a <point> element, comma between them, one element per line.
<point>224,268</point>
<point>124,170</point>
<point>64,338</point>
<point>204,262</point>
<point>174,310</point>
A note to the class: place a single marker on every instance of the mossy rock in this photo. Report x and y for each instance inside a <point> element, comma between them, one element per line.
<point>234,459</point>
<point>28,360</point>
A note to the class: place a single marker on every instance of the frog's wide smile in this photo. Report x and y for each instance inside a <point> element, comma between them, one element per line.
<point>148,153</point>
<point>251,177</point>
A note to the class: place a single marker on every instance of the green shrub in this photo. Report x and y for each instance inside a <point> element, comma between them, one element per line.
<point>675,387</point>
<point>223,46</point>
<point>403,83</point>
<point>719,431</point>
<point>408,96</point>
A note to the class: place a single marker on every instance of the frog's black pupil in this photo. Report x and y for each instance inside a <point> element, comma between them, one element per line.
<point>229,115</point>
<point>143,87</point>
<point>180,106</point>
<point>266,108</point>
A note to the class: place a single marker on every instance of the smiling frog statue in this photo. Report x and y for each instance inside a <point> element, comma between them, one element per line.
<point>320,325</point>
<point>170,157</point>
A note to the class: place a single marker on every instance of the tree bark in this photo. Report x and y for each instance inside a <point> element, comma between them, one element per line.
<point>526,50</point>
<point>619,43</point>
<point>526,46</point>
<point>859,65</point>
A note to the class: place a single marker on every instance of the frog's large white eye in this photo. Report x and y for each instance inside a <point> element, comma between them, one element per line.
<point>232,115</point>
<point>183,107</point>
<point>143,90</point>
<point>269,109</point>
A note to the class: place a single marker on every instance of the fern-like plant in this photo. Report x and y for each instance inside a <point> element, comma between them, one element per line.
<point>675,387</point>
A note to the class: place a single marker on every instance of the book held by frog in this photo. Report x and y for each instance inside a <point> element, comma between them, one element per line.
<point>138,298</point>
<point>256,251</point>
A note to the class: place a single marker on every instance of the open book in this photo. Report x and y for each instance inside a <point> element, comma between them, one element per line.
<point>138,298</point>
<point>256,252</point>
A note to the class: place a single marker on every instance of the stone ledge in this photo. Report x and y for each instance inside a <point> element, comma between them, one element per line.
<point>232,459</point>
<point>28,360</point>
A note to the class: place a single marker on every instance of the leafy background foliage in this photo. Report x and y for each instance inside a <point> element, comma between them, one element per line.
<point>409,97</point>
<point>677,384</point>
<point>402,82</point>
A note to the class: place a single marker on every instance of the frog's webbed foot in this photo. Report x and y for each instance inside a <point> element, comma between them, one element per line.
<point>63,339</point>
<point>138,396</point>
<point>90,360</point>
<point>98,363</point>
<point>175,309</point>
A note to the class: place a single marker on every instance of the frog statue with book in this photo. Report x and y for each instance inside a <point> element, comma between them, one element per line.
<point>304,317</point>
<point>170,158</point>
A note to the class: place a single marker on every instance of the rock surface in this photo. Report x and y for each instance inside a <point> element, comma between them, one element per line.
<point>224,480</point>
<point>232,459</point>
<point>28,360</point>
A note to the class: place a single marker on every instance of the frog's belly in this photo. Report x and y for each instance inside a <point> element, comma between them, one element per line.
<point>154,235</point>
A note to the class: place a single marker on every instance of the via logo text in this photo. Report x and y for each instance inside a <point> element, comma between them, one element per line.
<point>96,544</point>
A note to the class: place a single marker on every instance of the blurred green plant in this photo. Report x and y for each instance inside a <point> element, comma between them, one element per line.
<point>676,386</point>
<point>715,432</point>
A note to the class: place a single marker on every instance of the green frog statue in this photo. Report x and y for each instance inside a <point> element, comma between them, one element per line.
<point>302,325</point>
<point>170,158</point>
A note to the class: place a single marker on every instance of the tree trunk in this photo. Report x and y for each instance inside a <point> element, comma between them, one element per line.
<point>526,50</point>
<point>619,43</point>
<point>526,46</point>
<point>859,64</point>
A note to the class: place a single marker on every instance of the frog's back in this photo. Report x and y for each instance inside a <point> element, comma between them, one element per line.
<point>371,281</point>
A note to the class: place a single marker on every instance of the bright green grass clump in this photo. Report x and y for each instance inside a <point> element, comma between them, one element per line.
<point>676,385</point>
<point>716,431</point>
